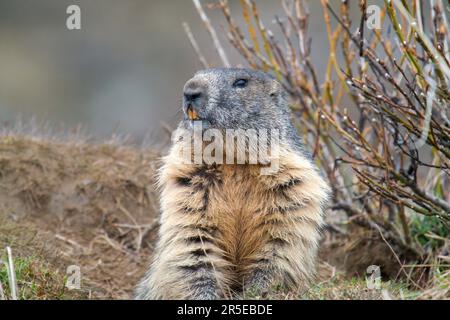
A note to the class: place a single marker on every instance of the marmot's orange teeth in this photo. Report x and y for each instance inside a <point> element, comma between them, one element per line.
<point>192,114</point>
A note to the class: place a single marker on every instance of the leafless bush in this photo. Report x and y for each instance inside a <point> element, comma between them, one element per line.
<point>387,154</point>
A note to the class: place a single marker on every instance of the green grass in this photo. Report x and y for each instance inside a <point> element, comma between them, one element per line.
<point>340,288</point>
<point>35,280</point>
<point>40,274</point>
<point>424,226</point>
<point>357,289</point>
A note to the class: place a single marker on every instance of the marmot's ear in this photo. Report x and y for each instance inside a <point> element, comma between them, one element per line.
<point>275,88</point>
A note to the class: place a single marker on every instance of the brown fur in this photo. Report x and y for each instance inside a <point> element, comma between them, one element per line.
<point>230,228</point>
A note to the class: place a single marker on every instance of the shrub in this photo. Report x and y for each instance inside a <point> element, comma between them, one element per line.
<point>387,153</point>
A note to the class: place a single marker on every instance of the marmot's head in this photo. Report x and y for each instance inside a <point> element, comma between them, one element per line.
<point>231,98</point>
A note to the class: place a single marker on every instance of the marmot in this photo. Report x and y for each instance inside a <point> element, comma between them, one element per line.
<point>226,228</point>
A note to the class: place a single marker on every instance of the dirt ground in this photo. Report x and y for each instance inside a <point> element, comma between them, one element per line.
<point>95,206</point>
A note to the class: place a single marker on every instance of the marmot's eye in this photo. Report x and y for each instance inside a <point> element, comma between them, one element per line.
<point>240,83</point>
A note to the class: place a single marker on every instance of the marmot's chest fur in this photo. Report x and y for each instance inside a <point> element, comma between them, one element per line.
<point>234,220</point>
<point>236,206</point>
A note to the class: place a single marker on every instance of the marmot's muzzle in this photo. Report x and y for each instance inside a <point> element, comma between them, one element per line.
<point>194,99</point>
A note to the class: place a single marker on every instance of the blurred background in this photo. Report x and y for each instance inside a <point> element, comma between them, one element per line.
<point>123,72</point>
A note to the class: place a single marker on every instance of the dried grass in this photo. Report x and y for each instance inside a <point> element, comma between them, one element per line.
<point>96,203</point>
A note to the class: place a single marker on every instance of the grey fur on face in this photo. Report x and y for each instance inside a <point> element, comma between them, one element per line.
<point>260,103</point>
<point>234,98</point>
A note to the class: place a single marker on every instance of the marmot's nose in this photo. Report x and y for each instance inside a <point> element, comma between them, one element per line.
<point>192,95</point>
<point>194,99</point>
<point>194,91</point>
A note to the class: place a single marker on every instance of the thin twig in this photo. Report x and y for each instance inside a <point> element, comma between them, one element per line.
<point>397,258</point>
<point>212,33</point>
<point>11,275</point>
<point>194,45</point>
